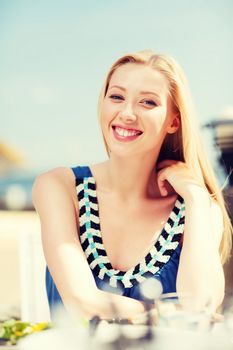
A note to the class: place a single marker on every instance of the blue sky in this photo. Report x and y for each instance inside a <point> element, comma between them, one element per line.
<point>55,54</point>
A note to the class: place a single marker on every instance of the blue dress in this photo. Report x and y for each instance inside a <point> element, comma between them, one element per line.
<point>161,262</point>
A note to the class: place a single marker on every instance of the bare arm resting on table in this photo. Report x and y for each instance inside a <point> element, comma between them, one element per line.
<point>200,272</point>
<point>54,197</point>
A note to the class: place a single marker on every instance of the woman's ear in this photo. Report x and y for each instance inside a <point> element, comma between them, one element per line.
<point>174,125</point>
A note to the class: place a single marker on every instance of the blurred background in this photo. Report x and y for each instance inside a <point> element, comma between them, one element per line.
<point>54,57</point>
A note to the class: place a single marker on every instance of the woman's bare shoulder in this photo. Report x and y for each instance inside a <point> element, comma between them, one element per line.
<point>63,175</point>
<point>57,181</point>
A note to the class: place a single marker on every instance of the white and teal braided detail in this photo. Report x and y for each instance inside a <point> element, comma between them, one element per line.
<point>91,240</point>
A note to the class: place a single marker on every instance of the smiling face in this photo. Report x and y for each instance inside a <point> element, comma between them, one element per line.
<point>137,111</point>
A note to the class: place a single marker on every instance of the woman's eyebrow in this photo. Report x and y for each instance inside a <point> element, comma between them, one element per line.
<point>118,87</point>
<point>141,92</point>
<point>149,93</point>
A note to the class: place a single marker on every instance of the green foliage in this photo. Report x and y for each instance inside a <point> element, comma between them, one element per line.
<point>12,330</point>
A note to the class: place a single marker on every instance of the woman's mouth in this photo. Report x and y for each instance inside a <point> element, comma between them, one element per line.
<point>125,134</point>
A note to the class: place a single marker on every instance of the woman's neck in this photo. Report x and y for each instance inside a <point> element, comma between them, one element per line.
<point>132,178</point>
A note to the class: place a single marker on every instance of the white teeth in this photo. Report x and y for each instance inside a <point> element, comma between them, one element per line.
<point>125,133</point>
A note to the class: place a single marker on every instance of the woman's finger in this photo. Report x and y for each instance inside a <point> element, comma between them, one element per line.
<point>164,163</point>
<point>161,180</point>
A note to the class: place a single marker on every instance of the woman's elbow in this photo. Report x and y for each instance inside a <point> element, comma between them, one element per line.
<point>220,290</point>
<point>203,296</point>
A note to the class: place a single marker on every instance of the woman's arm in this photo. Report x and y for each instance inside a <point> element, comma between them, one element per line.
<point>200,272</point>
<point>54,197</point>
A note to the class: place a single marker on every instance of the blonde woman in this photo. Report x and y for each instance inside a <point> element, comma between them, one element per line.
<point>153,209</point>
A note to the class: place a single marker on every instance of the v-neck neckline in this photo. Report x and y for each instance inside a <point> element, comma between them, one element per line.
<point>163,233</point>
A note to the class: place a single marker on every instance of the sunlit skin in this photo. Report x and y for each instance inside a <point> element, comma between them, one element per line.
<point>137,99</point>
<point>135,196</point>
<point>133,161</point>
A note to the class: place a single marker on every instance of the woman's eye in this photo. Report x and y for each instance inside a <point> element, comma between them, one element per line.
<point>116,97</point>
<point>149,102</point>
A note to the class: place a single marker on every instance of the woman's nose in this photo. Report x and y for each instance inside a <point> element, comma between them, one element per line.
<point>128,116</point>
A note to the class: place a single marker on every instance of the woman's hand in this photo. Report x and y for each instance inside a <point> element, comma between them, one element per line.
<point>180,177</point>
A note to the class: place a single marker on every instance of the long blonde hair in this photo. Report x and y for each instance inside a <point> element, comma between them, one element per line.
<point>186,144</point>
